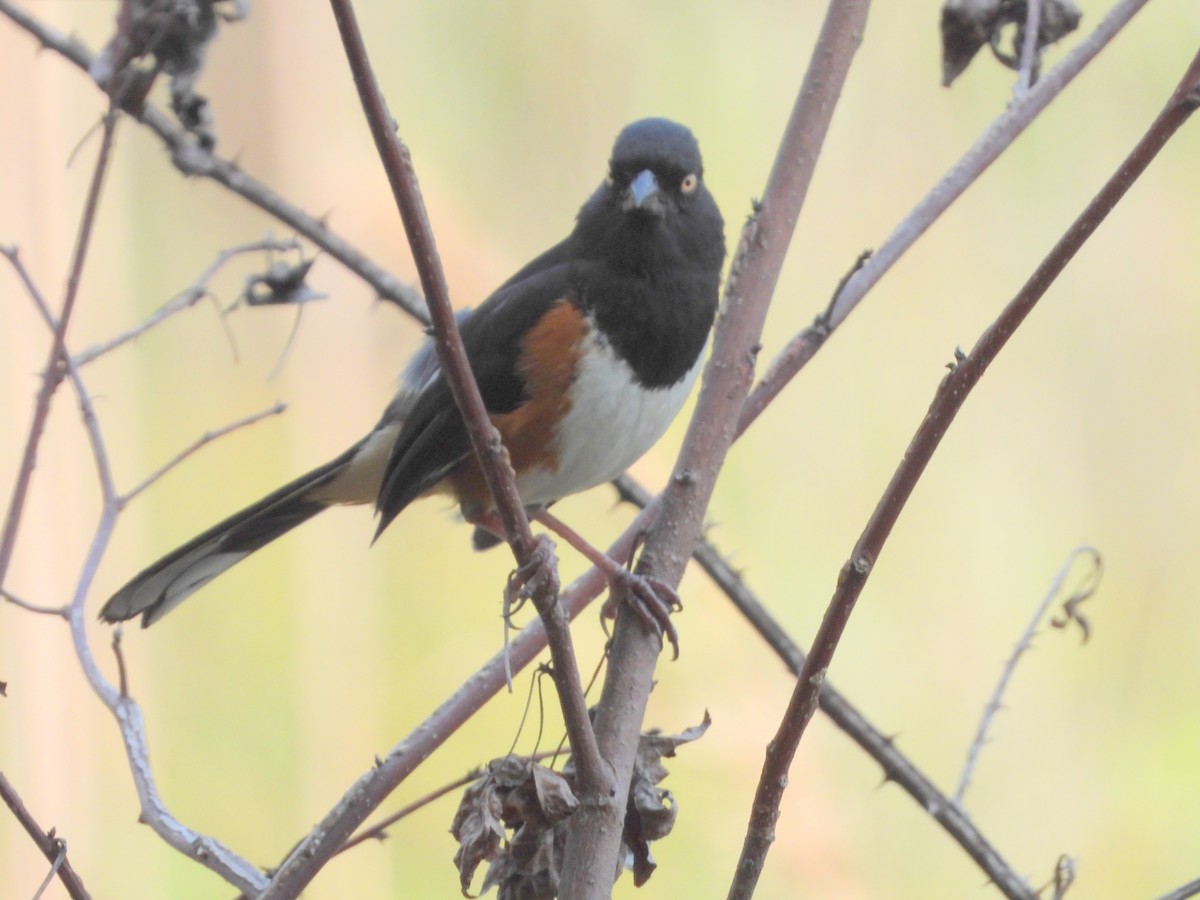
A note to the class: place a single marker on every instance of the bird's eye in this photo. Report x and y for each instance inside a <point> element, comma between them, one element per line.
<point>689,183</point>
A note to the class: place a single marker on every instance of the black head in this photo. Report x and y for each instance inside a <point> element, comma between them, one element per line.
<point>654,162</point>
<point>654,201</point>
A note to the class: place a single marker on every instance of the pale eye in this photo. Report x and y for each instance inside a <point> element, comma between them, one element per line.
<point>689,183</point>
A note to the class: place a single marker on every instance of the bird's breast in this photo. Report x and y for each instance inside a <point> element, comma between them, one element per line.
<point>610,420</point>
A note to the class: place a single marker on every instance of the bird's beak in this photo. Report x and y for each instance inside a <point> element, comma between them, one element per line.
<point>644,195</point>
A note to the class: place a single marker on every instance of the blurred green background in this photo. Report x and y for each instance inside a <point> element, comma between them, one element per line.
<point>269,693</point>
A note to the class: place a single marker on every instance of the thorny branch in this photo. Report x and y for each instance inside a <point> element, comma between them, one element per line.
<point>996,138</point>
<point>896,766</point>
<point>951,395</point>
<point>594,841</point>
<point>53,847</point>
<point>197,162</point>
<point>206,850</point>
<point>531,554</point>
<point>227,174</point>
<point>996,701</point>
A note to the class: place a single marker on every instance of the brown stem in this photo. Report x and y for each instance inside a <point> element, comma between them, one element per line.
<point>52,372</point>
<point>53,848</point>
<point>951,395</point>
<point>194,161</point>
<point>594,842</point>
<point>997,138</point>
<point>485,439</point>
<point>302,865</point>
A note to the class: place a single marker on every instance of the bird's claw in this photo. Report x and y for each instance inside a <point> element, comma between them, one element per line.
<point>539,572</point>
<point>652,599</point>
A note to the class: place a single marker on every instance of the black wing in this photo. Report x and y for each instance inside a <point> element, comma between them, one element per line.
<point>434,439</point>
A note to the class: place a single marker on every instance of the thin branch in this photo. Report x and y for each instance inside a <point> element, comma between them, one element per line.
<point>1191,889</point>
<point>593,845</point>
<point>378,830</point>
<point>190,296</point>
<point>996,139</point>
<point>60,611</point>
<point>880,747</point>
<point>52,371</point>
<point>951,395</point>
<point>208,851</point>
<point>1029,47</point>
<point>207,438</point>
<point>490,453</point>
<point>303,864</point>
<point>52,847</point>
<point>194,161</point>
<point>996,701</point>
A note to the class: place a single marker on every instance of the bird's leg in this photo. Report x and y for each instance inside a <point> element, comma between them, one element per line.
<point>651,598</point>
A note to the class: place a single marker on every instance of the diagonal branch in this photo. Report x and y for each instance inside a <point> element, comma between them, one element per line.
<point>194,161</point>
<point>53,847</point>
<point>303,864</point>
<point>997,138</point>
<point>205,850</point>
<point>1024,644</point>
<point>897,767</point>
<point>53,370</point>
<point>485,439</point>
<point>594,842</point>
<point>951,395</point>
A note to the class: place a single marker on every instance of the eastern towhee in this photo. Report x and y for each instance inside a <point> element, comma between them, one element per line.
<point>583,357</point>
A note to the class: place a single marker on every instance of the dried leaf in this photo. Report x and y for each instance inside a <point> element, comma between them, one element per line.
<point>282,283</point>
<point>968,25</point>
<point>177,35</point>
<point>650,812</point>
<point>531,801</point>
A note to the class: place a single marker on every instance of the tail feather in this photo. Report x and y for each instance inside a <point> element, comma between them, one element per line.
<point>162,586</point>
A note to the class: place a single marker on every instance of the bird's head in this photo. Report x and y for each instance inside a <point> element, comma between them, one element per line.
<point>654,195</point>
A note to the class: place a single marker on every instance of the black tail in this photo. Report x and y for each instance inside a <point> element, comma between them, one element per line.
<point>161,587</point>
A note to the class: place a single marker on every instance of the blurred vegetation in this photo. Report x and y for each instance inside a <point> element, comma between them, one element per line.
<point>269,693</point>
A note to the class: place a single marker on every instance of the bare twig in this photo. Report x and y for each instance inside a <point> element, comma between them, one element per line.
<point>996,701</point>
<point>595,836</point>
<point>378,830</point>
<point>882,748</point>
<point>208,851</point>
<point>194,293</point>
<point>52,371</point>
<point>951,395</point>
<point>996,139</point>
<point>60,611</point>
<point>300,866</point>
<point>1029,47</point>
<point>52,847</point>
<point>1191,889</point>
<point>207,438</point>
<point>195,161</point>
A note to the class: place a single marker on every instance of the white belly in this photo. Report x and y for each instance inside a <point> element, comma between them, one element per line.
<point>613,420</point>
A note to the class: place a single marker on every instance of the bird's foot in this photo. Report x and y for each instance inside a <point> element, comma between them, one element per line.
<point>650,598</point>
<point>538,573</point>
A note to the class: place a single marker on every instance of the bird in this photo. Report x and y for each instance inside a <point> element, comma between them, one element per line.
<point>583,358</point>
